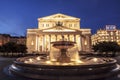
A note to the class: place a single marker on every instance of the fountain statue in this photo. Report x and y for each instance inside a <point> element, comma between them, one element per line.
<point>64,63</point>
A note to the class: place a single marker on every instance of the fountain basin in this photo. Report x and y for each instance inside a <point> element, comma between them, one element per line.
<point>62,71</point>
<point>63,44</point>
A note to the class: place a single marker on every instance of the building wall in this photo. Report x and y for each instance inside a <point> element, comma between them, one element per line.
<point>43,24</point>
<point>31,42</point>
<point>4,38</point>
<point>18,40</point>
<point>50,21</point>
<point>40,41</point>
<point>112,34</point>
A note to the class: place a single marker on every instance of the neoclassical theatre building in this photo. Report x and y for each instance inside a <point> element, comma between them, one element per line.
<point>52,28</point>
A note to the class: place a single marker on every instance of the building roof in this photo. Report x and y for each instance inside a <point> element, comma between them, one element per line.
<point>59,16</point>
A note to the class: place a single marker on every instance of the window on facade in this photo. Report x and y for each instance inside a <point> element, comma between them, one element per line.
<point>117,37</point>
<point>111,33</point>
<point>42,25</point>
<point>75,25</point>
<point>117,40</point>
<point>102,32</point>
<point>62,24</point>
<point>47,25</point>
<point>117,33</point>
<point>70,25</point>
<point>111,37</point>
<point>53,24</point>
<point>32,43</point>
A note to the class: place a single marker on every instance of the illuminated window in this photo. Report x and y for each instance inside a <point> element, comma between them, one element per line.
<point>117,40</point>
<point>75,25</point>
<point>111,33</point>
<point>116,32</point>
<point>42,25</point>
<point>102,32</point>
<point>52,24</point>
<point>47,25</point>
<point>111,37</point>
<point>117,37</point>
<point>32,43</point>
<point>70,25</point>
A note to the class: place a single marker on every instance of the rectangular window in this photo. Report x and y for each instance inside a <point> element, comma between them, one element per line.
<point>42,25</point>
<point>52,25</point>
<point>47,25</point>
<point>75,25</point>
<point>70,25</point>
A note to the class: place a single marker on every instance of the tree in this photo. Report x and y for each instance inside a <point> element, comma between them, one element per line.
<point>12,47</point>
<point>107,47</point>
<point>21,48</point>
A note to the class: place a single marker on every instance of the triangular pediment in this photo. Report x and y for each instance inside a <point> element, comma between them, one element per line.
<point>59,16</point>
<point>59,29</point>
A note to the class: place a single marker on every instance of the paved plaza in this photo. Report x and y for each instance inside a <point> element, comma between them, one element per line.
<point>5,62</point>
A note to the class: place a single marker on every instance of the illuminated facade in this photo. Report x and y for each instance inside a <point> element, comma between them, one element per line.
<point>4,38</point>
<point>110,33</point>
<point>52,28</point>
<point>18,40</point>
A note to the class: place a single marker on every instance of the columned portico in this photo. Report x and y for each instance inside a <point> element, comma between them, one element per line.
<point>47,34</point>
<point>43,41</point>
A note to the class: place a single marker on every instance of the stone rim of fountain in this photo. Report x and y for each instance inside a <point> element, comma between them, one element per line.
<point>84,72</point>
<point>110,62</point>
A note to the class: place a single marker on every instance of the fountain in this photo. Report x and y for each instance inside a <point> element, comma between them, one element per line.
<point>63,47</point>
<point>64,63</point>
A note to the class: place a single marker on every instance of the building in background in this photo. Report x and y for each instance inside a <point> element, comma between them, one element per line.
<point>52,28</point>
<point>18,40</point>
<point>5,38</point>
<point>110,33</point>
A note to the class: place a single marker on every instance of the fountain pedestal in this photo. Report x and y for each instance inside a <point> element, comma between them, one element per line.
<point>63,46</point>
<point>63,58</point>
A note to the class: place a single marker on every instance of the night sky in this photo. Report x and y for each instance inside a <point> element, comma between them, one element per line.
<point>16,16</point>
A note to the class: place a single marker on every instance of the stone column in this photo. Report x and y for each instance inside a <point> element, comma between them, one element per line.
<point>88,40</point>
<point>43,43</point>
<point>40,43</point>
<point>36,46</point>
<point>74,38</point>
<point>56,37</point>
<point>80,39</point>
<point>49,42</point>
<point>61,37</point>
<point>68,37</point>
<point>82,43</point>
